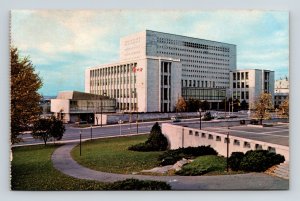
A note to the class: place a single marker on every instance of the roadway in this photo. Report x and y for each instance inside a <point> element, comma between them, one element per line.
<point>72,132</point>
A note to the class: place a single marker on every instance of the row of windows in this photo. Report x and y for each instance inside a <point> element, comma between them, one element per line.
<point>236,142</point>
<point>126,68</point>
<point>206,67</point>
<point>204,62</point>
<point>190,44</point>
<point>203,93</point>
<point>117,93</point>
<point>241,95</point>
<point>240,76</point>
<point>240,85</point>
<point>191,55</point>
<point>111,81</point>
<point>198,83</point>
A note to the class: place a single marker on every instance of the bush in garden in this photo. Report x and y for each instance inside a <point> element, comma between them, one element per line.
<point>170,157</point>
<point>155,142</point>
<point>134,184</point>
<point>235,160</point>
<point>260,160</point>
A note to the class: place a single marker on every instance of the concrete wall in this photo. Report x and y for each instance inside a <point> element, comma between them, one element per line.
<point>179,136</point>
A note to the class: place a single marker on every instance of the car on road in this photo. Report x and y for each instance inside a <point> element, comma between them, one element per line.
<point>175,119</point>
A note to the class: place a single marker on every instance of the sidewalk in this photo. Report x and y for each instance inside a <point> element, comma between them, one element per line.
<point>63,162</point>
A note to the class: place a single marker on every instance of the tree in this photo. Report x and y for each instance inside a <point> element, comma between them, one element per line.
<point>24,104</point>
<point>262,106</point>
<point>155,142</point>
<point>48,128</point>
<point>284,107</point>
<point>193,105</point>
<point>244,105</point>
<point>156,139</point>
<point>181,105</point>
<point>204,105</point>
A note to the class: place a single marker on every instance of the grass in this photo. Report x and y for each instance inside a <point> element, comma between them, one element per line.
<point>112,155</point>
<point>205,165</point>
<point>32,169</point>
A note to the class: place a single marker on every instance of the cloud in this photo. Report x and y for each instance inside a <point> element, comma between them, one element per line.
<point>62,43</point>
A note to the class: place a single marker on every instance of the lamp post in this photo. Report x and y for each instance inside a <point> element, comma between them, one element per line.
<point>227,155</point>
<point>137,114</point>
<point>102,107</point>
<point>120,123</point>
<point>200,126</point>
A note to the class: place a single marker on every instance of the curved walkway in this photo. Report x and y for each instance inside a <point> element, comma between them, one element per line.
<point>62,161</point>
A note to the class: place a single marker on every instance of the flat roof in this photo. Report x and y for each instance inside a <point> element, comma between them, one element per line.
<point>147,30</point>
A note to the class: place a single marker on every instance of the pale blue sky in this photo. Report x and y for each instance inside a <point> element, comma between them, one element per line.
<point>61,44</point>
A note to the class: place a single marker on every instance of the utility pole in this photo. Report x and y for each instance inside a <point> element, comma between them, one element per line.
<point>80,143</point>
<point>227,155</point>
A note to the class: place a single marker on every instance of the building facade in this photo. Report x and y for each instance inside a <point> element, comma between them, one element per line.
<point>281,91</point>
<point>74,106</point>
<point>249,84</point>
<point>155,67</point>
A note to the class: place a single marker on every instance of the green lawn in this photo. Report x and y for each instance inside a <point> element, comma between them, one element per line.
<point>209,164</point>
<point>112,155</point>
<point>32,170</point>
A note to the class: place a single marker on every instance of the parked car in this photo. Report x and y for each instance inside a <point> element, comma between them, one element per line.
<point>175,119</point>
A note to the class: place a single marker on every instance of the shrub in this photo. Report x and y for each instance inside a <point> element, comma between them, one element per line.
<point>172,156</point>
<point>155,142</point>
<point>203,165</point>
<point>134,184</point>
<point>260,160</point>
<point>235,160</point>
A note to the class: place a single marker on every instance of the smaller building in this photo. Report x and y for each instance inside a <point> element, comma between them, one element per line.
<point>74,106</point>
<point>281,91</point>
<point>249,84</point>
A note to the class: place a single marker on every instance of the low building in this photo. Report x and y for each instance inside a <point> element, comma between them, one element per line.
<point>281,91</point>
<point>74,106</point>
<point>249,84</point>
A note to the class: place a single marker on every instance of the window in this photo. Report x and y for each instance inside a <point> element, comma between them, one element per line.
<point>243,85</point>
<point>247,145</point>
<point>247,76</point>
<point>236,142</point>
<point>196,133</point>
<point>210,136</point>
<point>165,80</point>
<point>258,147</point>
<point>218,138</point>
<point>190,132</point>
<point>203,135</point>
<point>234,85</point>
<point>165,94</point>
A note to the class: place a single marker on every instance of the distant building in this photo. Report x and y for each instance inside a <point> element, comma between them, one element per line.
<point>74,106</point>
<point>156,68</point>
<point>281,91</point>
<point>249,84</point>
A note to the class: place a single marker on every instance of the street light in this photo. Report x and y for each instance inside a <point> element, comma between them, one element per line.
<point>102,107</point>
<point>137,114</point>
<point>120,123</point>
<point>227,155</point>
<point>91,128</point>
<point>200,117</point>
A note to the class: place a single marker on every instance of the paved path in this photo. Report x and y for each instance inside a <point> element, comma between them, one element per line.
<point>63,162</point>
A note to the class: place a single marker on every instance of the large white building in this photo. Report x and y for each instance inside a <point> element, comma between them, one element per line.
<point>154,67</point>
<point>249,84</point>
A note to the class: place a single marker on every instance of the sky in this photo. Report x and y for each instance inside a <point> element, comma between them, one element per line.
<point>62,43</point>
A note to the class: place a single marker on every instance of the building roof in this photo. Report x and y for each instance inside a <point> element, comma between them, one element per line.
<point>76,95</point>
